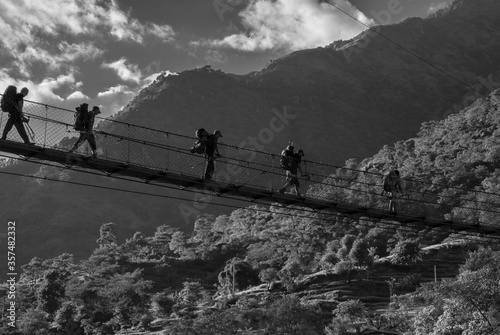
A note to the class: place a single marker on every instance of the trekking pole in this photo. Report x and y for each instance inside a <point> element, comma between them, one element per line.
<point>31,131</point>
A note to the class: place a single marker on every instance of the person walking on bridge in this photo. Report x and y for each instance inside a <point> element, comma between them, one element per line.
<point>85,124</point>
<point>291,164</point>
<point>16,116</point>
<point>391,186</point>
<point>211,153</point>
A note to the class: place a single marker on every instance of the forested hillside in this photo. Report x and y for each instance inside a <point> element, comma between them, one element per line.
<point>285,270</point>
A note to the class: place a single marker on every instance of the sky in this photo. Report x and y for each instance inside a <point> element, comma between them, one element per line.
<point>104,52</point>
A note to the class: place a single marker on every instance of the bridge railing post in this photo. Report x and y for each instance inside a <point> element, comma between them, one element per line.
<point>128,144</point>
<point>45,126</point>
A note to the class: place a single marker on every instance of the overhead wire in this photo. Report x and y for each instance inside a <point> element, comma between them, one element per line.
<point>401,46</point>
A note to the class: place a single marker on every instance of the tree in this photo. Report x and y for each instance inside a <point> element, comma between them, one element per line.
<point>162,303</point>
<point>406,252</point>
<point>359,253</point>
<point>189,298</point>
<point>178,244</point>
<point>346,245</point>
<point>289,316</point>
<point>268,276</point>
<point>344,268</point>
<point>469,304</point>
<point>52,290</point>
<point>348,315</point>
<point>107,235</point>
<point>33,321</point>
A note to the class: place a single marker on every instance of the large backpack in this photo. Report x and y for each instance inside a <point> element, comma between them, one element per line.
<point>286,159</point>
<point>200,132</point>
<point>81,117</point>
<point>200,143</point>
<point>8,98</point>
<point>389,181</point>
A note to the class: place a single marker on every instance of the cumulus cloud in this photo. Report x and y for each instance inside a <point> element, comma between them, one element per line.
<point>53,47</point>
<point>77,95</point>
<point>127,72</point>
<point>293,25</point>
<point>43,39</point>
<point>114,99</point>
<point>118,89</point>
<point>25,21</point>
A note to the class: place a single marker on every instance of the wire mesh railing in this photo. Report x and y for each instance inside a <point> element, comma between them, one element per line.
<point>163,151</point>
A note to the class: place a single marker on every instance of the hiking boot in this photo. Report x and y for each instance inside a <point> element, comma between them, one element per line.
<point>94,154</point>
<point>281,190</point>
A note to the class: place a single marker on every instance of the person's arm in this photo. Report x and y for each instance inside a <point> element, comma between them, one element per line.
<point>216,148</point>
<point>398,187</point>
<point>20,105</point>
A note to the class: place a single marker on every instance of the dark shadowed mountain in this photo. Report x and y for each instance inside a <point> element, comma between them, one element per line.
<point>344,100</point>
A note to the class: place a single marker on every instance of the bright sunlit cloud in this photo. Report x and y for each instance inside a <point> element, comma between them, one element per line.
<point>293,24</point>
<point>124,70</point>
<point>77,95</point>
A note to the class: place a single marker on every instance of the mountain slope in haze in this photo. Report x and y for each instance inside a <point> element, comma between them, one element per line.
<point>344,100</point>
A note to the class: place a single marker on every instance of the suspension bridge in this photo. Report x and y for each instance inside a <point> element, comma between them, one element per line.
<point>156,156</point>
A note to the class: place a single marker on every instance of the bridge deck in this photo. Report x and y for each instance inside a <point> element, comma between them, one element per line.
<point>222,189</point>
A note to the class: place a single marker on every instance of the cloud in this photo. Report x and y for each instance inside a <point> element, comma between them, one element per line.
<point>45,90</point>
<point>118,89</point>
<point>215,56</point>
<point>152,78</point>
<point>434,7</point>
<point>41,39</point>
<point>53,47</point>
<point>114,99</point>
<point>62,18</point>
<point>77,95</point>
<point>292,25</point>
<point>127,72</point>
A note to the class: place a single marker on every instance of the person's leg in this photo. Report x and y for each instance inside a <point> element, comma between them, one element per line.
<point>288,180</point>
<point>78,142</point>
<point>391,203</point>
<point>297,185</point>
<point>394,205</point>
<point>93,146</point>
<point>8,127</point>
<point>22,132</point>
<point>209,170</point>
